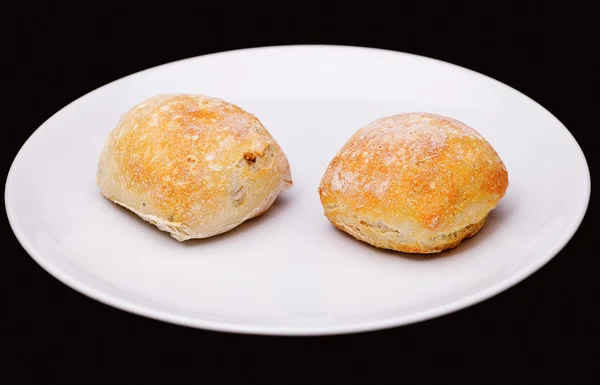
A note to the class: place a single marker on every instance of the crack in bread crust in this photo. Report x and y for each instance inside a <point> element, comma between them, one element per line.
<point>181,232</point>
<point>389,238</point>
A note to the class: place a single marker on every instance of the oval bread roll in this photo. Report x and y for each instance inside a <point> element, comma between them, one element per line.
<point>192,165</point>
<point>414,182</point>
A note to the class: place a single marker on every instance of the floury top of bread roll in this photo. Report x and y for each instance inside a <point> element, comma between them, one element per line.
<point>193,165</point>
<point>414,182</point>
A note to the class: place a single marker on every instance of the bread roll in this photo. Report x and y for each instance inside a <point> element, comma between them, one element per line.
<point>414,182</point>
<point>192,165</point>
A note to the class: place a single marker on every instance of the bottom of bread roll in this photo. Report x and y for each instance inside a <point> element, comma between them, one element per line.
<point>388,238</point>
<point>183,232</point>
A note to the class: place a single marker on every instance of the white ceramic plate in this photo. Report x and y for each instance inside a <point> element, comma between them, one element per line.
<point>289,271</point>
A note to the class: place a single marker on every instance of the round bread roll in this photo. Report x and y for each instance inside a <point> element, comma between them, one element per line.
<point>414,182</point>
<point>192,165</point>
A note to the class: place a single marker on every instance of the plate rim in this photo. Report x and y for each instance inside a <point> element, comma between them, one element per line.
<point>356,327</point>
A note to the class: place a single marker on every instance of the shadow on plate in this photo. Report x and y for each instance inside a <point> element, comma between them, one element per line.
<point>279,205</point>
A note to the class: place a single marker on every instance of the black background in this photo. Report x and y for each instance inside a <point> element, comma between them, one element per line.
<point>543,328</point>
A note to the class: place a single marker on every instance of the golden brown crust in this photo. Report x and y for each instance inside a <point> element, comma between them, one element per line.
<point>406,181</point>
<point>191,164</point>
